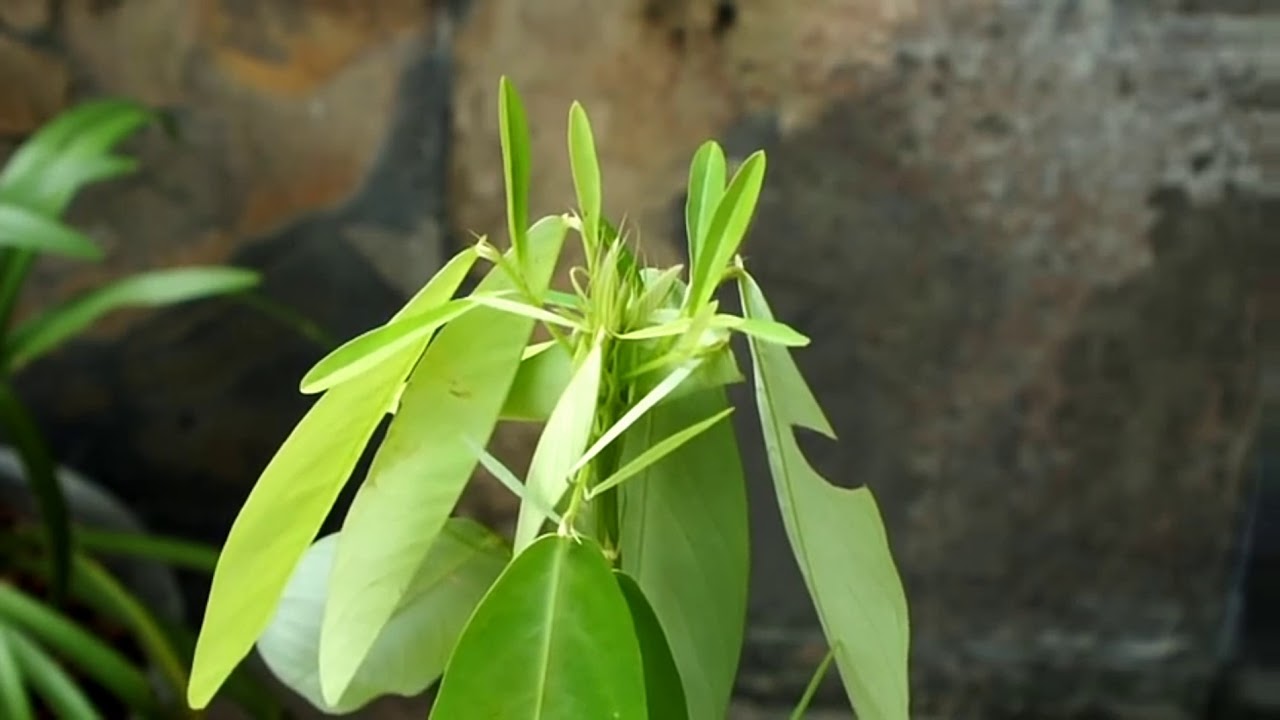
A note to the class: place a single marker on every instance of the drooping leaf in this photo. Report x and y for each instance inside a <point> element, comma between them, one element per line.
<point>563,439</point>
<point>586,172</point>
<point>664,691</point>
<point>13,692</point>
<point>706,186</point>
<point>448,409</point>
<point>158,288</point>
<point>659,450</point>
<point>411,651</point>
<point>727,229</point>
<point>49,680</point>
<point>516,164</point>
<point>684,540</point>
<point>837,536</point>
<point>539,383</point>
<point>38,464</point>
<point>552,639</point>
<point>24,228</point>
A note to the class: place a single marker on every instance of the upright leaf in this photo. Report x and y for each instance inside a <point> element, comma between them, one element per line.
<point>586,172</point>
<point>42,477</point>
<point>664,692</point>
<point>47,678</point>
<point>837,536</point>
<point>514,128</point>
<point>727,229</point>
<point>553,639</point>
<point>684,540</point>
<point>563,439</point>
<point>706,186</point>
<point>411,651</point>
<point>13,691</point>
<point>447,411</point>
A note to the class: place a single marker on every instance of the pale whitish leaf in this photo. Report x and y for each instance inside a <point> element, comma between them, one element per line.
<point>518,308</point>
<point>504,475</point>
<point>683,526</point>
<point>586,171</point>
<point>552,640</point>
<point>706,186</point>
<point>450,407</point>
<point>661,449</point>
<point>411,651</point>
<point>646,403</point>
<point>516,165</point>
<point>838,538</point>
<point>563,439</point>
<point>727,229</point>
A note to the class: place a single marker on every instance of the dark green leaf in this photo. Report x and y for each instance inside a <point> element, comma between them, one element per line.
<point>50,681</point>
<point>42,478</point>
<point>663,689</point>
<point>13,692</point>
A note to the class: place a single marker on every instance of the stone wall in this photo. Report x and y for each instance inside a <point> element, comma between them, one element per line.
<point>1027,234</point>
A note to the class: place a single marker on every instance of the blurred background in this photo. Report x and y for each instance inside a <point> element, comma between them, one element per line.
<point>1035,241</point>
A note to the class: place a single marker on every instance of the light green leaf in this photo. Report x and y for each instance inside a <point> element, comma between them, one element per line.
<point>837,536</point>
<point>448,409</point>
<point>667,329</point>
<point>283,514</point>
<point>646,403</point>
<point>516,307</point>
<point>767,330</point>
<point>514,128</point>
<point>49,680</point>
<point>552,640</point>
<point>664,691</point>
<point>586,172</point>
<point>657,291</point>
<point>157,288</point>
<point>13,692</point>
<point>504,475</point>
<point>27,229</point>
<point>411,651</point>
<point>811,689</point>
<point>539,383</point>
<point>659,450</point>
<point>727,229</point>
<point>563,439</point>
<point>684,540</point>
<point>706,187</point>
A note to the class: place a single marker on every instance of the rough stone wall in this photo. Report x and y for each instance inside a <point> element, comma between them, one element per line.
<point>1027,234</point>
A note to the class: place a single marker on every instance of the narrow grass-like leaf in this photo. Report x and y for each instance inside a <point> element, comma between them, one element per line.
<point>13,692</point>
<point>769,331</point>
<point>667,329</point>
<point>38,464</point>
<point>659,450</point>
<point>837,536</point>
<point>664,692</point>
<point>516,307</point>
<point>539,383</point>
<point>174,552</point>
<point>586,173</point>
<point>49,680</point>
<point>727,229</point>
<point>449,407</point>
<point>46,331</point>
<point>563,439</point>
<point>504,475</point>
<point>411,651</point>
<point>646,403</point>
<point>27,229</point>
<point>514,129</point>
<point>706,186</point>
<point>811,689</point>
<point>553,639</point>
<point>684,540</point>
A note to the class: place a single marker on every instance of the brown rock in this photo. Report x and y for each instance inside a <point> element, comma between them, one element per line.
<point>33,87</point>
<point>26,15</point>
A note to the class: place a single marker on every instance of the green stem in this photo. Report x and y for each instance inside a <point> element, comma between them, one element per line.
<point>14,265</point>
<point>812,688</point>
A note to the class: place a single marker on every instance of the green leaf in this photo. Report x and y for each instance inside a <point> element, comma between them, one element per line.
<point>727,229</point>
<point>767,330</point>
<point>509,480</point>
<point>515,307</point>
<point>27,229</point>
<point>13,692</point>
<point>637,411</point>
<point>586,172</point>
<point>158,288</point>
<point>516,164</point>
<point>411,651</point>
<point>449,409</point>
<point>663,690</point>
<point>659,450</point>
<point>837,536</point>
<point>684,540</point>
<point>706,186</point>
<point>563,439</point>
<point>553,639</point>
<point>49,680</point>
<point>38,464</point>
<point>539,383</point>
<point>174,552</point>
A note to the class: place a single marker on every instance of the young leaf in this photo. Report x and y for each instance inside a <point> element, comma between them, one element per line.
<point>516,307</point>
<point>706,186</point>
<point>13,692</point>
<point>49,680</point>
<point>448,409</point>
<point>727,228</point>
<point>661,449</point>
<point>646,403</point>
<point>27,229</point>
<point>539,383</point>
<point>767,330</point>
<point>586,172</point>
<point>837,536</point>
<point>44,332</point>
<point>664,692</point>
<point>38,464</point>
<point>515,163</point>
<point>411,651</point>
<point>552,639</point>
<point>684,540</point>
<point>509,480</point>
<point>563,439</point>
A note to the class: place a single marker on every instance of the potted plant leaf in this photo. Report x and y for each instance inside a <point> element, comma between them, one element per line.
<point>623,591</point>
